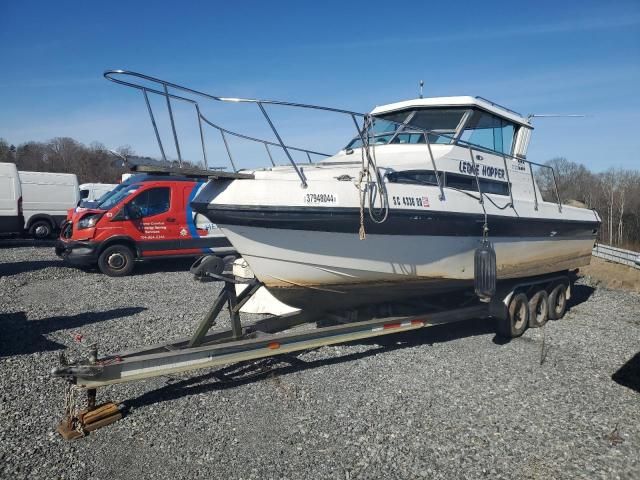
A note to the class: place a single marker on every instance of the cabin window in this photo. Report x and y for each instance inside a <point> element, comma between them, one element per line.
<point>397,117</point>
<point>488,131</point>
<point>461,182</point>
<point>409,137</point>
<point>492,186</point>
<point>84,194</point>
<point>383,130</point>
<point>442,122</point>
<point>452,180</point>
<point>468,182</point>
<point>418,177</point>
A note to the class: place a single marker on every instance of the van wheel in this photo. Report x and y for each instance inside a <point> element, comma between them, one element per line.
<point>539,309</point>
<point>41,229</point>
<point>514,323</point>
<point>116,261</point>
<point>558,302</point>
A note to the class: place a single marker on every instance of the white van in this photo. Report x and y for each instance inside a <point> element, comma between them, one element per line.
<point>11,217</point>
<point>91,192</point>
<point>46,199</point>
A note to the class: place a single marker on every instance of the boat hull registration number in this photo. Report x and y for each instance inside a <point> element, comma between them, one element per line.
<point>320,198</point>
<point>398,201</point>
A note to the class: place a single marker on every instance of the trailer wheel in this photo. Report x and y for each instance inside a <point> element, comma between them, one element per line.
<point>116,261</point>
<point>558,302</point>
<point>539,309</point>
<point>514,323</point>
<point>41,229</point>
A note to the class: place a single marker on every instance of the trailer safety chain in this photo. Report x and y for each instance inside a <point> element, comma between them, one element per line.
<point>72,407</point>
<point>104,363</point>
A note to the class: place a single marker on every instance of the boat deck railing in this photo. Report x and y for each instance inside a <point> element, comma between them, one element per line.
<point>362,122</point>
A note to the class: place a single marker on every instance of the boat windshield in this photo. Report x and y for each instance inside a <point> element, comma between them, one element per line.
<point>488,131</point>
<point>441,122</point>
<point>117,195</point>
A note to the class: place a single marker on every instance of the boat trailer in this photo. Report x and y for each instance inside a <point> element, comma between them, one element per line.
<point>275,335</point>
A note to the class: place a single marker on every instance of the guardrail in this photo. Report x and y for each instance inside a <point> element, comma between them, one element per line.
<point>617,255</point>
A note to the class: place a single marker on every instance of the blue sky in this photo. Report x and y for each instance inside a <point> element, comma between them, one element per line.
<point>535,57</point>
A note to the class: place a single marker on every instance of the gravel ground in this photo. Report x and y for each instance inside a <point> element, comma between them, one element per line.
<point>446,402</point>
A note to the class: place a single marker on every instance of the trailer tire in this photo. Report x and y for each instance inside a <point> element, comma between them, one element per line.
<point>558,302</point>
<point>515,322</point>
<point>116,261</point>
<point>539,309</point>
<point>41,229</point>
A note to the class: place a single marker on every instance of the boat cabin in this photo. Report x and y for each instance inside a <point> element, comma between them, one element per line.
<point>465,121</point>
<point>455,128</point>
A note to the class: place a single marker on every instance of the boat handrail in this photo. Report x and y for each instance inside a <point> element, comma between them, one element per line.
<point>110,75</point>
<point>162,88</point>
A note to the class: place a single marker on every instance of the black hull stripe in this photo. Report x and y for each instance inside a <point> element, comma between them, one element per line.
<point>399,222</point>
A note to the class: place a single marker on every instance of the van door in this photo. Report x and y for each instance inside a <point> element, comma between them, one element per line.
<point>190,236</point>
<point>153,220</point>
<point>10,216</point>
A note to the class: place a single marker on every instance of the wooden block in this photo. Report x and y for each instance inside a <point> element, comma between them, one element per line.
<point>100,412</point>
<point>66,432</point>
<point>104,422</point>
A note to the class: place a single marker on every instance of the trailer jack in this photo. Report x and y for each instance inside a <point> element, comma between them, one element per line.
<point>77,421</point>
<point>86,421</point>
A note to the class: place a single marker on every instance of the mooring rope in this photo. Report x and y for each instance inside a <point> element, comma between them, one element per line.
<point>373,184</point>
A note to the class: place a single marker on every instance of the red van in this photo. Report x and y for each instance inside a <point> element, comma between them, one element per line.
<point>145,217</point>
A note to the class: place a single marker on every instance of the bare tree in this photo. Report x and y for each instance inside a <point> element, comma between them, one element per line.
<point>614,194</point>
<point>66,155</point>
<point>5,152</point>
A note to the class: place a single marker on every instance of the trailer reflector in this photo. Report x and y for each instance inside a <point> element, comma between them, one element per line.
<point>389,326</point>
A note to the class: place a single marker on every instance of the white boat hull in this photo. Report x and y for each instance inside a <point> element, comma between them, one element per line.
<point>312,269</point>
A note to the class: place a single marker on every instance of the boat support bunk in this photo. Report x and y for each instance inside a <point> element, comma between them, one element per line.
<point>275,335</point>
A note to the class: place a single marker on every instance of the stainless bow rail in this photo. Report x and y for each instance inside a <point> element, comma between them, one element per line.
<point>364,132</point>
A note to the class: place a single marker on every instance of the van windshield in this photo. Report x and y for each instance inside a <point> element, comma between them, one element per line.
<point>116,195</point>
<point>106,195</point>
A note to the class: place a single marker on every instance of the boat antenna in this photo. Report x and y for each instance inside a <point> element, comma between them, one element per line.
<point>555,115</point>
<point>421,85</point>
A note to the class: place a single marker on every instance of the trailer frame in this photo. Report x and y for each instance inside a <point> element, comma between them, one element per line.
<point>266,337</point>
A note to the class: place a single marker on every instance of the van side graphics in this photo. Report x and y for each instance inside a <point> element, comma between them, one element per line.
<point>202,242</point>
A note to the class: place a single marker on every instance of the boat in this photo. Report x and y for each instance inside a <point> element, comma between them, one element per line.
<point>399,212</point>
